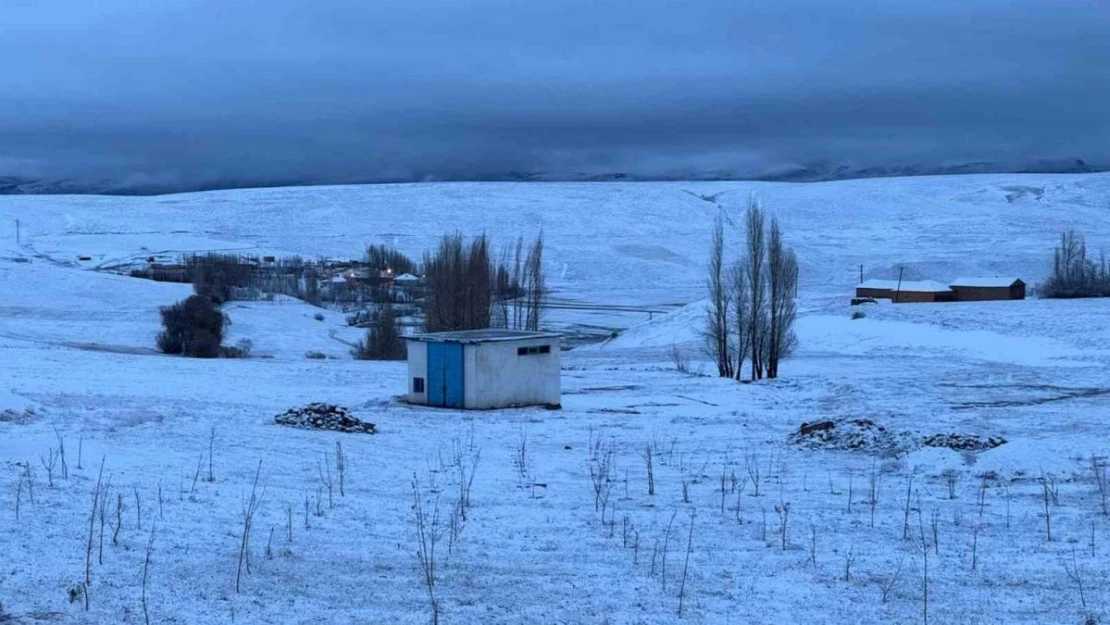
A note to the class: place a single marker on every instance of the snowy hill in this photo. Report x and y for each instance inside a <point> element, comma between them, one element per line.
<point>540,544</point>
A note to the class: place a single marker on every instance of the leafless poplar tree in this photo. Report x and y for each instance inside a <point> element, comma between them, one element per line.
<point>717,335</point>
<point>756,250</point>
<point>782,270</point>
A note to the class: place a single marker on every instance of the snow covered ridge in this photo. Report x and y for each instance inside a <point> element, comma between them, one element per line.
<point>651,489</point>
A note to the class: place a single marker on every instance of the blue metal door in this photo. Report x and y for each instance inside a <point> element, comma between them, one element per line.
<point>445,374</point>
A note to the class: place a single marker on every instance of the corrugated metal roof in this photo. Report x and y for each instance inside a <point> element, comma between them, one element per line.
<point>1003,283</point>
<point>923,286</point>
<point>481,336</point>
<point>875,283</point>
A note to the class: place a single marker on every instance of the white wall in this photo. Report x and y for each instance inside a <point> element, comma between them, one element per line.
<point>418,368</point>
<point>496,377</point>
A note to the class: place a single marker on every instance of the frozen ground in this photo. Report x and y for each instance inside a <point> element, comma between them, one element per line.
<point>76,357</point>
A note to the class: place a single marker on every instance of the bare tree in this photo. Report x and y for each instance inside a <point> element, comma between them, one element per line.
<point>782,270</point>
<point>717,335</point>
<point>459,280</point>
<point>754,264</point>
<point>741,316</point>
<point>533,284</point>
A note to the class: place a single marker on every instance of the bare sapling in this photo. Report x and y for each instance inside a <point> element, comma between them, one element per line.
<point>724,486</point>
<point>289,523</point>
<point>319,502</point>
<point>739,488</point>
<point>428,535</point>
<point>146,572</point>
<point>307,525</point>
<point>934,522</point>
<point>62,453</point>
<point>49,462</point>
<point>685,492</point>
<point>211,453</point>
<point>250,507</point>
<point>138,510</point>
<point>982,500</point>
<point>270,545</point>
<point>18,495</point>
<point>196,474</point>
<point>92,525</point>
<point>119,519</point>
<point>80,449</point>
<point>873,492</point>
<point>1099,470</point>
<point>813,544</point>
<point>686,565</point>
<point>601,466</point>
<point>29,479</point>
<point>975,544</point>
<point>326,478</point>
<point>341,468</point>
<point>783,510</point>
<point>890,583</point>
<point>1076,576</point>
<point>851,489</point>
<point>1047,509</point>
<point>520,458</point>
<point>849,560</point>
<point>1006,491</point>
<point>951,478</point>
<point>102,517</point>
<point>666,545</point>
<point>466,459</point>
<point>907,508</point>
<point>647,455</point>
<point>763,526</point>
<point>1091,543</point>
<point>161,510</point>
<point>751,463</point>
<point>924,569</point>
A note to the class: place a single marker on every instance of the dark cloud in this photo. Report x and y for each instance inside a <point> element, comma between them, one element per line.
<point>195,91</point>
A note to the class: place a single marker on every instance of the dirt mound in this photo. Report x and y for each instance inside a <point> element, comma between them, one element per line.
<point>963,442</point>
<point>869,437</point>
<point>324,417</point>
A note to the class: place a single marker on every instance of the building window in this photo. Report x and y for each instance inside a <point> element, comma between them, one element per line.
<point>538,349</point>
<point>418,385</point>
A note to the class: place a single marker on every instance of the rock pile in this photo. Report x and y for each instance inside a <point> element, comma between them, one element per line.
<point>852,435</point>
<point>319,416</point>
<point>869,437</point>
<point>963,442</point>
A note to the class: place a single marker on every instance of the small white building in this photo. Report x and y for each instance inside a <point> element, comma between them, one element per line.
<point>483,369</point>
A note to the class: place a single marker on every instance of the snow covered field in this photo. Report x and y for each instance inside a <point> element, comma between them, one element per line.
<point>76,357</point>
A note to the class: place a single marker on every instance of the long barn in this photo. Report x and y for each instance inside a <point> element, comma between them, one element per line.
<point>983,289</point>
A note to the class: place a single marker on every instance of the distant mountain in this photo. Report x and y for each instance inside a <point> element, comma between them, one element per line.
<point>818,172</point>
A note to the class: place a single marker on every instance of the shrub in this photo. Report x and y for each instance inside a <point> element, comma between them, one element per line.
<point>318,316</point>
<point>858,314</point>
<point>241,349</point>
<point>192,327</point>
<point>311,355</point>
<point>382,341</point>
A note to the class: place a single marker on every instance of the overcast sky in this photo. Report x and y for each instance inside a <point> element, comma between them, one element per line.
<point>189,91</point>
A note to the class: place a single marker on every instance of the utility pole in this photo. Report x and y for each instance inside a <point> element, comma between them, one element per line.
<point>898,292</point>
<point>17,232</point>
<point>861,274</point>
